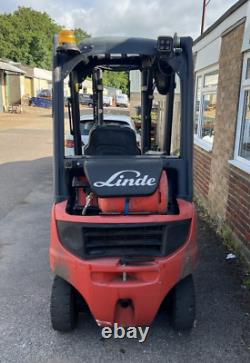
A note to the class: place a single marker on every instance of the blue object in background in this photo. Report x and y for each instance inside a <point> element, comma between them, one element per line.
<point>41,102</point>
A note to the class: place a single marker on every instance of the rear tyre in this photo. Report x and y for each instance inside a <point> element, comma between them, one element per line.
<point>182,305</point>
<point>63,310</point>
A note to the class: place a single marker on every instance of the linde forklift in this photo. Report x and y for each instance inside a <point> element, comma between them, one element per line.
<point>123,227</point>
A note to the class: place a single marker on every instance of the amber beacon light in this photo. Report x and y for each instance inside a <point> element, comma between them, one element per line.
<point>67,36</point>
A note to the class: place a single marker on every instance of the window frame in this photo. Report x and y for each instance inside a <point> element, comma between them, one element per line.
<point>238,160</point>
<point>203,91</point>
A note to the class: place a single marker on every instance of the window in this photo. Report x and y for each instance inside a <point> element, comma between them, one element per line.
<point>205,107</point>
<point>208,117</point>
<point>244,146</point>
<point>248,69</point>
<point>197,103</point>
<point>242,141</point>
<point>211,79</point>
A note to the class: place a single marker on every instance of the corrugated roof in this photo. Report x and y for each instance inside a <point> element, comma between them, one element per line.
<point>10,68</point>
<point>29,71</point>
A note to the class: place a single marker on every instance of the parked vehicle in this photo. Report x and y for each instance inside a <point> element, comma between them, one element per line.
<point>85,99</point>
<point>43,99</point>
<point>122,100</point>
<point>107,101</point>
<point>45,93</point>
<point>86,124</point>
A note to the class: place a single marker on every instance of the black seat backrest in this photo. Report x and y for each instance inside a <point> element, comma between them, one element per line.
<point>111,140</point>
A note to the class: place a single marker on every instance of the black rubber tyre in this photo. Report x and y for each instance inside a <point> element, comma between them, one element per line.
<point>63,311</point>
<point>182,305</point>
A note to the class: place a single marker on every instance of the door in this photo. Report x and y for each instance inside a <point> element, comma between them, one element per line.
<point>27,87</point>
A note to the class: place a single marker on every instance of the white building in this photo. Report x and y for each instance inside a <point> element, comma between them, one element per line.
<point>222,122</point>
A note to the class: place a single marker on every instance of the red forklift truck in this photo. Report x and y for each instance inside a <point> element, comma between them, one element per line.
<point>123,228</point>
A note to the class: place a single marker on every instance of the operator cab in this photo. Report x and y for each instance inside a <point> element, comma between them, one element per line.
<point>126,173</point>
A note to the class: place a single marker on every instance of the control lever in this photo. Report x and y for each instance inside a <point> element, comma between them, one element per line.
<point>87,204</point>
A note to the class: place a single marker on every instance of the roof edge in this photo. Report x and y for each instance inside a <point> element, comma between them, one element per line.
<point>230,11</point>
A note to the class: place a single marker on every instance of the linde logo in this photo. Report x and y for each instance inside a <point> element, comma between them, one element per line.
<point>123,178</point>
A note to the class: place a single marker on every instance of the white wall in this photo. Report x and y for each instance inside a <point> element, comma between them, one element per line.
<point>208,55</point>
<point>246,38</point>
<point>135,81</point>
<point>43,74</point>
<point>207,50</point>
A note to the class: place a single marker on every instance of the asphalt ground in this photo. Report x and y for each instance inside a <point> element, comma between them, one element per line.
<point>221,332</point>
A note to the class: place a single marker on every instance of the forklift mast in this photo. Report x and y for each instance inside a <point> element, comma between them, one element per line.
<point>158,61</point>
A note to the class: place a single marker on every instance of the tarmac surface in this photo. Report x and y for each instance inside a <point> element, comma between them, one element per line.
<point>222,329</point>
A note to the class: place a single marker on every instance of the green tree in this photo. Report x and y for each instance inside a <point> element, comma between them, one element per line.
<point>26,36</point>
<point>80,34</point>
<point>116,79</point>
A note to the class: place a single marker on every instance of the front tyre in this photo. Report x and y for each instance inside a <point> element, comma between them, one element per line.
<point>63,310</point>
<point>182,305</point>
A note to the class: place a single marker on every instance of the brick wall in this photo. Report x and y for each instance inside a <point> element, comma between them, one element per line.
<point>202,166</point>
<point>230,68</point>
<point>225,189</point>
<point>238,204</point>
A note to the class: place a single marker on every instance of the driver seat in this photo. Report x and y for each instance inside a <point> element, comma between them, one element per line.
<point>112,140</point>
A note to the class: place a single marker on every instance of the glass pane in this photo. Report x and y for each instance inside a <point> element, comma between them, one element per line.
<point>211,79</point>
<point>248,69</point>
<point>86,126</point>
<point>208,117</point>
<point>244,150</point>
<point>197,104</point>
<point>176,128</point>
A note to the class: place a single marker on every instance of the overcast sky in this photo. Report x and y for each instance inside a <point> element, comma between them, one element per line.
<point>147,18</point>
